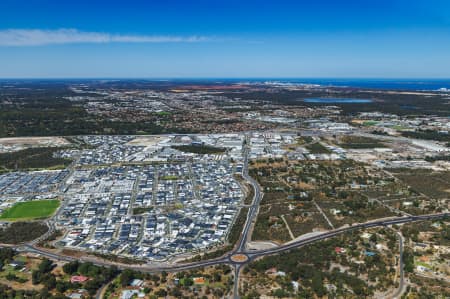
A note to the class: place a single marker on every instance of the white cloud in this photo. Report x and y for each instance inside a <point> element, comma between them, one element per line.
<point>37,37</point>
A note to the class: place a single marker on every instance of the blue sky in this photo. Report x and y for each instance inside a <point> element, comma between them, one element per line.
<point>212,38</point>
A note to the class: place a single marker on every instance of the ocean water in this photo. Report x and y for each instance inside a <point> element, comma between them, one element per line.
<point>387,84</point>
<point>391,84</point>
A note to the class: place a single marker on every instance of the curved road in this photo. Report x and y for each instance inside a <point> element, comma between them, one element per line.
<point>401,285</point>
<point>251,254</point>
<point>253,210</point>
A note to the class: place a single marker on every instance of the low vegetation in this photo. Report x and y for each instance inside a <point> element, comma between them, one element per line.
<point>200,149</point>
<point>426,265</point>
<point>360,142</point>
<point>438,158</point>
<point>249,190</point>
<point>434,184</point>
<point>236,229</point>
<point>427,135</point>
<point>141,210</point>
<point>293,188</point>
<point>339,268</point>
<point>317,148</point>
<point>301,140</point>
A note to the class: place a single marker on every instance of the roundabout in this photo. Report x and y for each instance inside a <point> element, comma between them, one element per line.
<point>239,258</point>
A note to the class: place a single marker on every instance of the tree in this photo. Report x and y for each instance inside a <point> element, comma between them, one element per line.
<point>126,277</point>
<point>161,293</point>
<point>280,293</point>
<point>46,266</point>
<point>71,268</point>
<point>163,276</point>
<point>218,292</point>
<point>84,268</point>
<point>6,254</point>
<point>44,293</point>
<point>49,281</point>
<point>408,260</point>
<point>176,292</point>
<point>92,286</point>
<point>317,284</point>
<point>252,295</point>
<point>61,287</point>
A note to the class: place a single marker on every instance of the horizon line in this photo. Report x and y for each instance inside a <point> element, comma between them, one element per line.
<point>222,78</point>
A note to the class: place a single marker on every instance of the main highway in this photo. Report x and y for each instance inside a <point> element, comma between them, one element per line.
<point>250,254</point>
<point>253,209</point>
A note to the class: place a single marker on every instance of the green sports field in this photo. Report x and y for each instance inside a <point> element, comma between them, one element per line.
<point>30,210</point>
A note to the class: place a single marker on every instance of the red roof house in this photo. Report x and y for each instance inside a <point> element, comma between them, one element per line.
<point>78,278</point>
<point>339,250</point>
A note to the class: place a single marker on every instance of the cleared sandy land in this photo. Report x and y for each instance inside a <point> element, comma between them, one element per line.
<point>148,140</point>
<point>18,143</point>
<point>261,245</point>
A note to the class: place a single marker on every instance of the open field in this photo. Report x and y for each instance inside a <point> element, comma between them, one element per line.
<point>30,210</point>
<point>147,140</point>
<point>317,148</point>
<point>353,209</point>
<point>305,221</point>
<point>203,149</point>
<point>17,143</point>
<point>432,184</point>
<point>359,142</point>
<point>304,140</point>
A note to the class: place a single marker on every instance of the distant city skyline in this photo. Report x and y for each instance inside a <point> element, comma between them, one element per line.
<point>225,39</point>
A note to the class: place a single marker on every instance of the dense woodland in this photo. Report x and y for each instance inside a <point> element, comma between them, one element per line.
<point>40,108</point>
<point>428,135</point>
<point>31,158</point>
<point>19,232</point>
<point>65,121</point>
